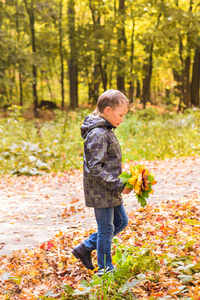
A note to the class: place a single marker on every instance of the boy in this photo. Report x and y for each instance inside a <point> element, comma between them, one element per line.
<point>102,187</point>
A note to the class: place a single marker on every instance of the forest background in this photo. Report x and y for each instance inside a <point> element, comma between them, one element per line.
<point>68,52</point>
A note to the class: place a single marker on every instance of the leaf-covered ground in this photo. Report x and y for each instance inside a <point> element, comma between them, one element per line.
<point>168,228</point>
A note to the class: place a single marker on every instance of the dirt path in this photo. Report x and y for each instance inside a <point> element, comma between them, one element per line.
<point>34,209</point>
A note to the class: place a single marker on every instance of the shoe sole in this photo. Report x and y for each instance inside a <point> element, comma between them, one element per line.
<point>102,274</point>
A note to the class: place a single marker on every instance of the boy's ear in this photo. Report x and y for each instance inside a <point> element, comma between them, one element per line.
<point>106,110</point>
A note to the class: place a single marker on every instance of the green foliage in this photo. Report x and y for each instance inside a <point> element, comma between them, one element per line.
<point>134,266</point>
<point>131,264</point>
<point>31,148</point>
<point>156,136</point>
<point>125,177</point>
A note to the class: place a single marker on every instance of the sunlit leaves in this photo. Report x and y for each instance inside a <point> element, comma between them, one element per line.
<point>157,255</point>
<point>140,180</point>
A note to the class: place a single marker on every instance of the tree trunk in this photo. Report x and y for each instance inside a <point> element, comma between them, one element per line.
<point>73,74</point>
<point>3,92</point>
<point>72,62</point>
<point>186,75</point>
<point>131,86</point>
<point>61,58</point>
<point>19,67</point>
<point>181,77</point>
<point>147,67</point>
<point>30,12</point>
<point>32,24</point>
<point>186,71</point>
<point>104,76</point>
<point>97,74</point>
<point>131,91</point>
<point>138,92</point>
<point>195,79</point>
<point>121,48</point>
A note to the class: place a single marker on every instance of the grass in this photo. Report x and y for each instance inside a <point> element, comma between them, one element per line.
<point>33,147</point>
<point>148,135</point>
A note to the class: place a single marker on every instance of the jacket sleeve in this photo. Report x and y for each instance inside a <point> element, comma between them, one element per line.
<point>96,152</point>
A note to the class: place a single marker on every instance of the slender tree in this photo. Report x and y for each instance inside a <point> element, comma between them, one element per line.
<point>147,70</point>
<point>72,62</point>
<point>195,79</point>
<point>98,68</point>
<point>31,14</point>
<point>19,63</point>
<point>148,62</point>
<point>121,56</point>
<point>187,64</point>
<point>61,57</point>
<point>131,83</point>
<point>3,92</point>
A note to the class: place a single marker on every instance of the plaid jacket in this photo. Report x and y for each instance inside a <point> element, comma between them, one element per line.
<point>102,164</point>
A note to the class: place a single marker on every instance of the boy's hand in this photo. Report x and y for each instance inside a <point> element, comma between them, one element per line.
<point>126,190</point>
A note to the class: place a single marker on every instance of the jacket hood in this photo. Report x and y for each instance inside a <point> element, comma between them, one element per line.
<point>92,122</point>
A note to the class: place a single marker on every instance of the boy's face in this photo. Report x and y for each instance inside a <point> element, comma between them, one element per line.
<point>115,115</point>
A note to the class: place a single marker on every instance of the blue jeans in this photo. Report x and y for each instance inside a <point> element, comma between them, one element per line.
<point>110,221</point>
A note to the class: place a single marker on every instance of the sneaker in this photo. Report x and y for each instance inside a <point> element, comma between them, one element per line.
<point>84,255</point>
<point>101,272</point>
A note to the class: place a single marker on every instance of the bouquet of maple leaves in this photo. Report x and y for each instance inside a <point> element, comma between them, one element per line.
<point>140,180</point>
